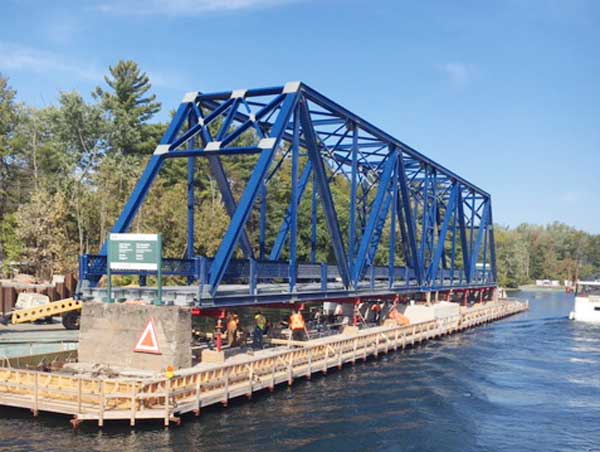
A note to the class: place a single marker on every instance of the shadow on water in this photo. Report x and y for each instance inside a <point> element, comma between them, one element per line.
<point>511,385</point>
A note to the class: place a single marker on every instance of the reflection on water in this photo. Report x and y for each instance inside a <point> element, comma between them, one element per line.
<point>530,382</point>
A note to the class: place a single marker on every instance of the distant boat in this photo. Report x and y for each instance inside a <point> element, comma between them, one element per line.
<point>587,302</point>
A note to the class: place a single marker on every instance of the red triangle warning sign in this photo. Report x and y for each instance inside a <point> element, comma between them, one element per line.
<point>148,343</point>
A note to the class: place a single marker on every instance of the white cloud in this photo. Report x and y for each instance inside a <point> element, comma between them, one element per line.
<point>182,7</point>
<point>459,74</point>
<point>14,57</point>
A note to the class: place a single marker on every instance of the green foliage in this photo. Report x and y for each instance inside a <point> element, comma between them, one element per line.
<point>8,123</point>
<point>512,258</point>
<point>555,251</point>
<point>10,245</point>
<point>8,113</point>
<point>42,228</point>
<point>81,129</point>
<point>129,107</point>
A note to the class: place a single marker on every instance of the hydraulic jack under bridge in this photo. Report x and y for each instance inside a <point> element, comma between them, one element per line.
<point>395,221</point>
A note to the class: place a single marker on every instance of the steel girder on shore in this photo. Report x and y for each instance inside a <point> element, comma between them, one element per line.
<point>411,222</point>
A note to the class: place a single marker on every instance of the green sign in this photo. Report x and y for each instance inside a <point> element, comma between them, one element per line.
<point>134,252</point>
<point>142,252</point>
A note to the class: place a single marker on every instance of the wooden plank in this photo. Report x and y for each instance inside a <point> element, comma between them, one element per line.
<point>133,407</point>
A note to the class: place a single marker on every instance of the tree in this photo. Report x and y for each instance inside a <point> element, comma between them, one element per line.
<point>10,245</point>
<point>113,183</point>
<point>80,129</point>
<point>512,257</point>
<point>129,107</point>
<point>42,228</point>
<point>8,121</point>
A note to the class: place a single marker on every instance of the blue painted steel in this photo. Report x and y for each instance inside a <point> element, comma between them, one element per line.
<point>492,245</point>
<point>262,223</point>
<point>218,172</point>
<point>225,251</point>
<point>228,119</point>
<point>481,231</point>
<point>450,211</point>
<point>246,150</point>
<point>379,230</point>
<point>191,169</point>
<point>299,189</point>
<point>374,218</point>
<point>252,277</point>
<point>324,276</point>
<point>353,193</point>
<point>325,195</point>
<point>440,223</point>
<point>463,237</point>
<point>295,195</point>
<point>409,221</point>
<point>313,221</point>
<point>400,217</point>
<point>393,220</point>
<point>454,223</point>
<point>426,218</point>
<point>247,123</point>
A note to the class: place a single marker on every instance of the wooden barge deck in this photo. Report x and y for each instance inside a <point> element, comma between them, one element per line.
<point>102,399</point>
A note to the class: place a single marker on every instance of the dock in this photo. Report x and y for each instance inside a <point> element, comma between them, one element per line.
<point>167,398</point>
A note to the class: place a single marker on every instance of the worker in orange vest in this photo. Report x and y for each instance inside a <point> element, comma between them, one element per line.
<point>297,326</point>
<point>400,319</point>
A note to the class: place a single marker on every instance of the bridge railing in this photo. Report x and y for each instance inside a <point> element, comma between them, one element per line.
<point>323,278</point>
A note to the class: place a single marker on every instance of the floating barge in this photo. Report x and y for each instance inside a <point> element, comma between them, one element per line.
<point>163,398</point>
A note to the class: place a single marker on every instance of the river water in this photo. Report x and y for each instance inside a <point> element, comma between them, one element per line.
<point>527,383</point>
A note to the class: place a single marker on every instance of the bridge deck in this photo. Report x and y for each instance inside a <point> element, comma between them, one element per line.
<point>232,295</point>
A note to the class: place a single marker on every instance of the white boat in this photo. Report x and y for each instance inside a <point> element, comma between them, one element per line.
<point>587,302</point>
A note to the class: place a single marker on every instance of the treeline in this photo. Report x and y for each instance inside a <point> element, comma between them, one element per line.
<point>555,251</point>
<point>66,171</point>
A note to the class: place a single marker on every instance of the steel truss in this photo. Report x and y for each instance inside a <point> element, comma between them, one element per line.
<point>413,225</point>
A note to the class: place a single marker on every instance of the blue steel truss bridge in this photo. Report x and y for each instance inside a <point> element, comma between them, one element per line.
<point>410,225</point>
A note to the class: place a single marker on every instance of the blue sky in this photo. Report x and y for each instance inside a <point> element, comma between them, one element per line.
<point>505,93</point>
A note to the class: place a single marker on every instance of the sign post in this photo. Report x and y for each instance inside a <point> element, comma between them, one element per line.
<point>135,252</point>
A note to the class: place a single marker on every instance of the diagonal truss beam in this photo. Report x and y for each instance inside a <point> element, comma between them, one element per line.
<point>374,218</point>
<point>481,231</point>
<point>410,222</point>
<point>285,225</point>
<point>216,168</point>
<point>439,250</point>
<point>325,195</point>
<point>227,247</point>
<point>462,228</point>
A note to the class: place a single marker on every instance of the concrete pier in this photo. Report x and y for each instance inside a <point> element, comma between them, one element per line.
<point>110,332</point>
